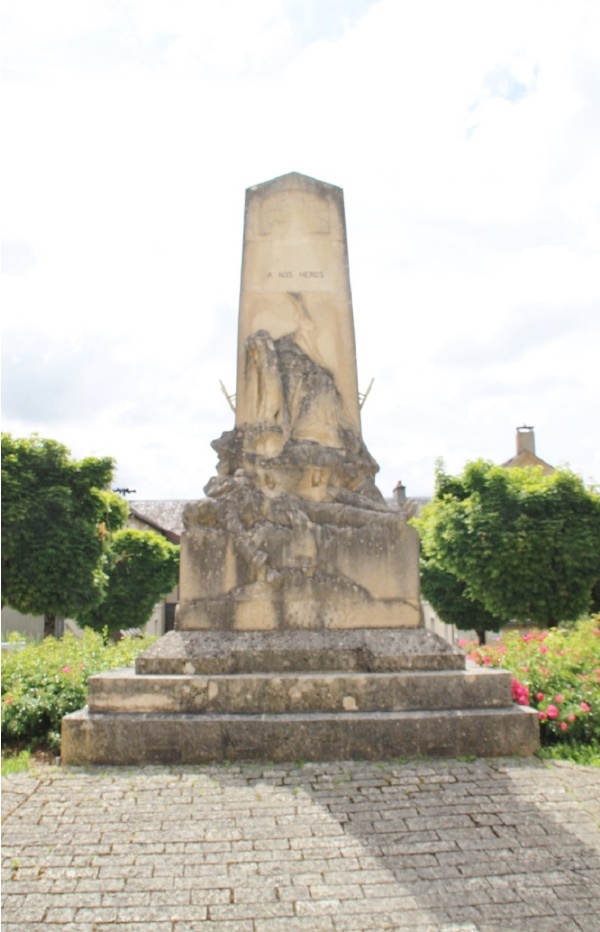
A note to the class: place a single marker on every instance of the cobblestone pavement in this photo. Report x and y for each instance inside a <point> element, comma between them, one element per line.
<point>444,846</point>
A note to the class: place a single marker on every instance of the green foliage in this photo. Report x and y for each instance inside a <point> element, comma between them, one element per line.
<point>56,517</point>
<point>142,567</point>
<point>64,551</point>
<point>586,755</point>
<point>43,682</point>
<point>525,546</point>
<point>556,672</point>
<point>596,597</point>
<point>448,596</point>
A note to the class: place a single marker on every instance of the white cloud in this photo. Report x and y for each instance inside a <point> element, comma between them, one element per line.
<point>465,136</point>
<point>34,24</point>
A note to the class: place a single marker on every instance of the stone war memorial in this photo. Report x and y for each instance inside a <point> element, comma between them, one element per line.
<point>299,633</point>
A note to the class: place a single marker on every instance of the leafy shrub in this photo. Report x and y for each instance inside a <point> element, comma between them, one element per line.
<point>44,681</point>
<point>556,672</point>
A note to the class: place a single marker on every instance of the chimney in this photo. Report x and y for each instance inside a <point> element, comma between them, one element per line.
<point>525,440</point>
<point>400,493</point>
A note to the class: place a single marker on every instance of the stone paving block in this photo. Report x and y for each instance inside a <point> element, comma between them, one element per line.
<point>254,911</point>
<point>328,906</point>
<point>246,925</point>
<point>248,893</point>
<point>336,891</point>
<point>546,924</point>
<point>154,926</point>
<point>587,923</point>
<point>381,923</point>
<point>46,927</point>
<point>298,924</point>
<point>101,914</point>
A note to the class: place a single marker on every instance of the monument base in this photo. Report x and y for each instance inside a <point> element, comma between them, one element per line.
<point>197,697</point>
<point>252,561</point>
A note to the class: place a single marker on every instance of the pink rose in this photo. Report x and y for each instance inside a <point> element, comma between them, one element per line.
<point>520,693</point>
<point>584,706</point>
<point>539,696</point>
<point>563,726</point>
<point>552,711</point>
<point>559,698</point>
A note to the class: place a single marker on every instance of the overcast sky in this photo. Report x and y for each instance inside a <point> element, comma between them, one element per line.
<point>466,137</point>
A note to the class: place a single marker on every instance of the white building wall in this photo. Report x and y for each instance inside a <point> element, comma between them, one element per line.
<point>434,623</point>
<point>30,626</point>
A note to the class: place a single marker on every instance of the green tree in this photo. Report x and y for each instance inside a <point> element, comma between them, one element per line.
<point>57,516</point>
<point>523,545</point>
<point>595,606</point>
<point>448,596</point>
<point>142,568</point>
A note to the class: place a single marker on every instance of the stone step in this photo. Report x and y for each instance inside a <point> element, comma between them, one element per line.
<point>125,739</point>
<point>122,691</point>
<point>378,650</point>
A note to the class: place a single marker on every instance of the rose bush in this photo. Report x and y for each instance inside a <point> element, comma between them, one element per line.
<point>556,672</point>
<point>44,681</point>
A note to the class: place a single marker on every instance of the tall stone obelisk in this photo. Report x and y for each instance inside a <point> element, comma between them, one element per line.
<point>296,284</point>
<point>293,532</point>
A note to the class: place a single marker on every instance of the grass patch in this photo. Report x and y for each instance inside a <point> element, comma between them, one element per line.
<point>16,763</point>
<point>588,755</point>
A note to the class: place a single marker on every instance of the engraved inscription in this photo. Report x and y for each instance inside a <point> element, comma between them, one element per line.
<point>308,273</point>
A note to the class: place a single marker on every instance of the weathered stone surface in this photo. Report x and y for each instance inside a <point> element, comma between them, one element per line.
<point>304,443</point>
<point>250,561</point>
<point>293,532</point>
<point>195,738</point>
<point>363,651</point>
<point>265,693</point>
<point>295,285</point>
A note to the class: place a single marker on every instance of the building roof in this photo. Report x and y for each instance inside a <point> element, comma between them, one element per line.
<point>526,459</point>
<point>165,515</point>
<point>526,456</point>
